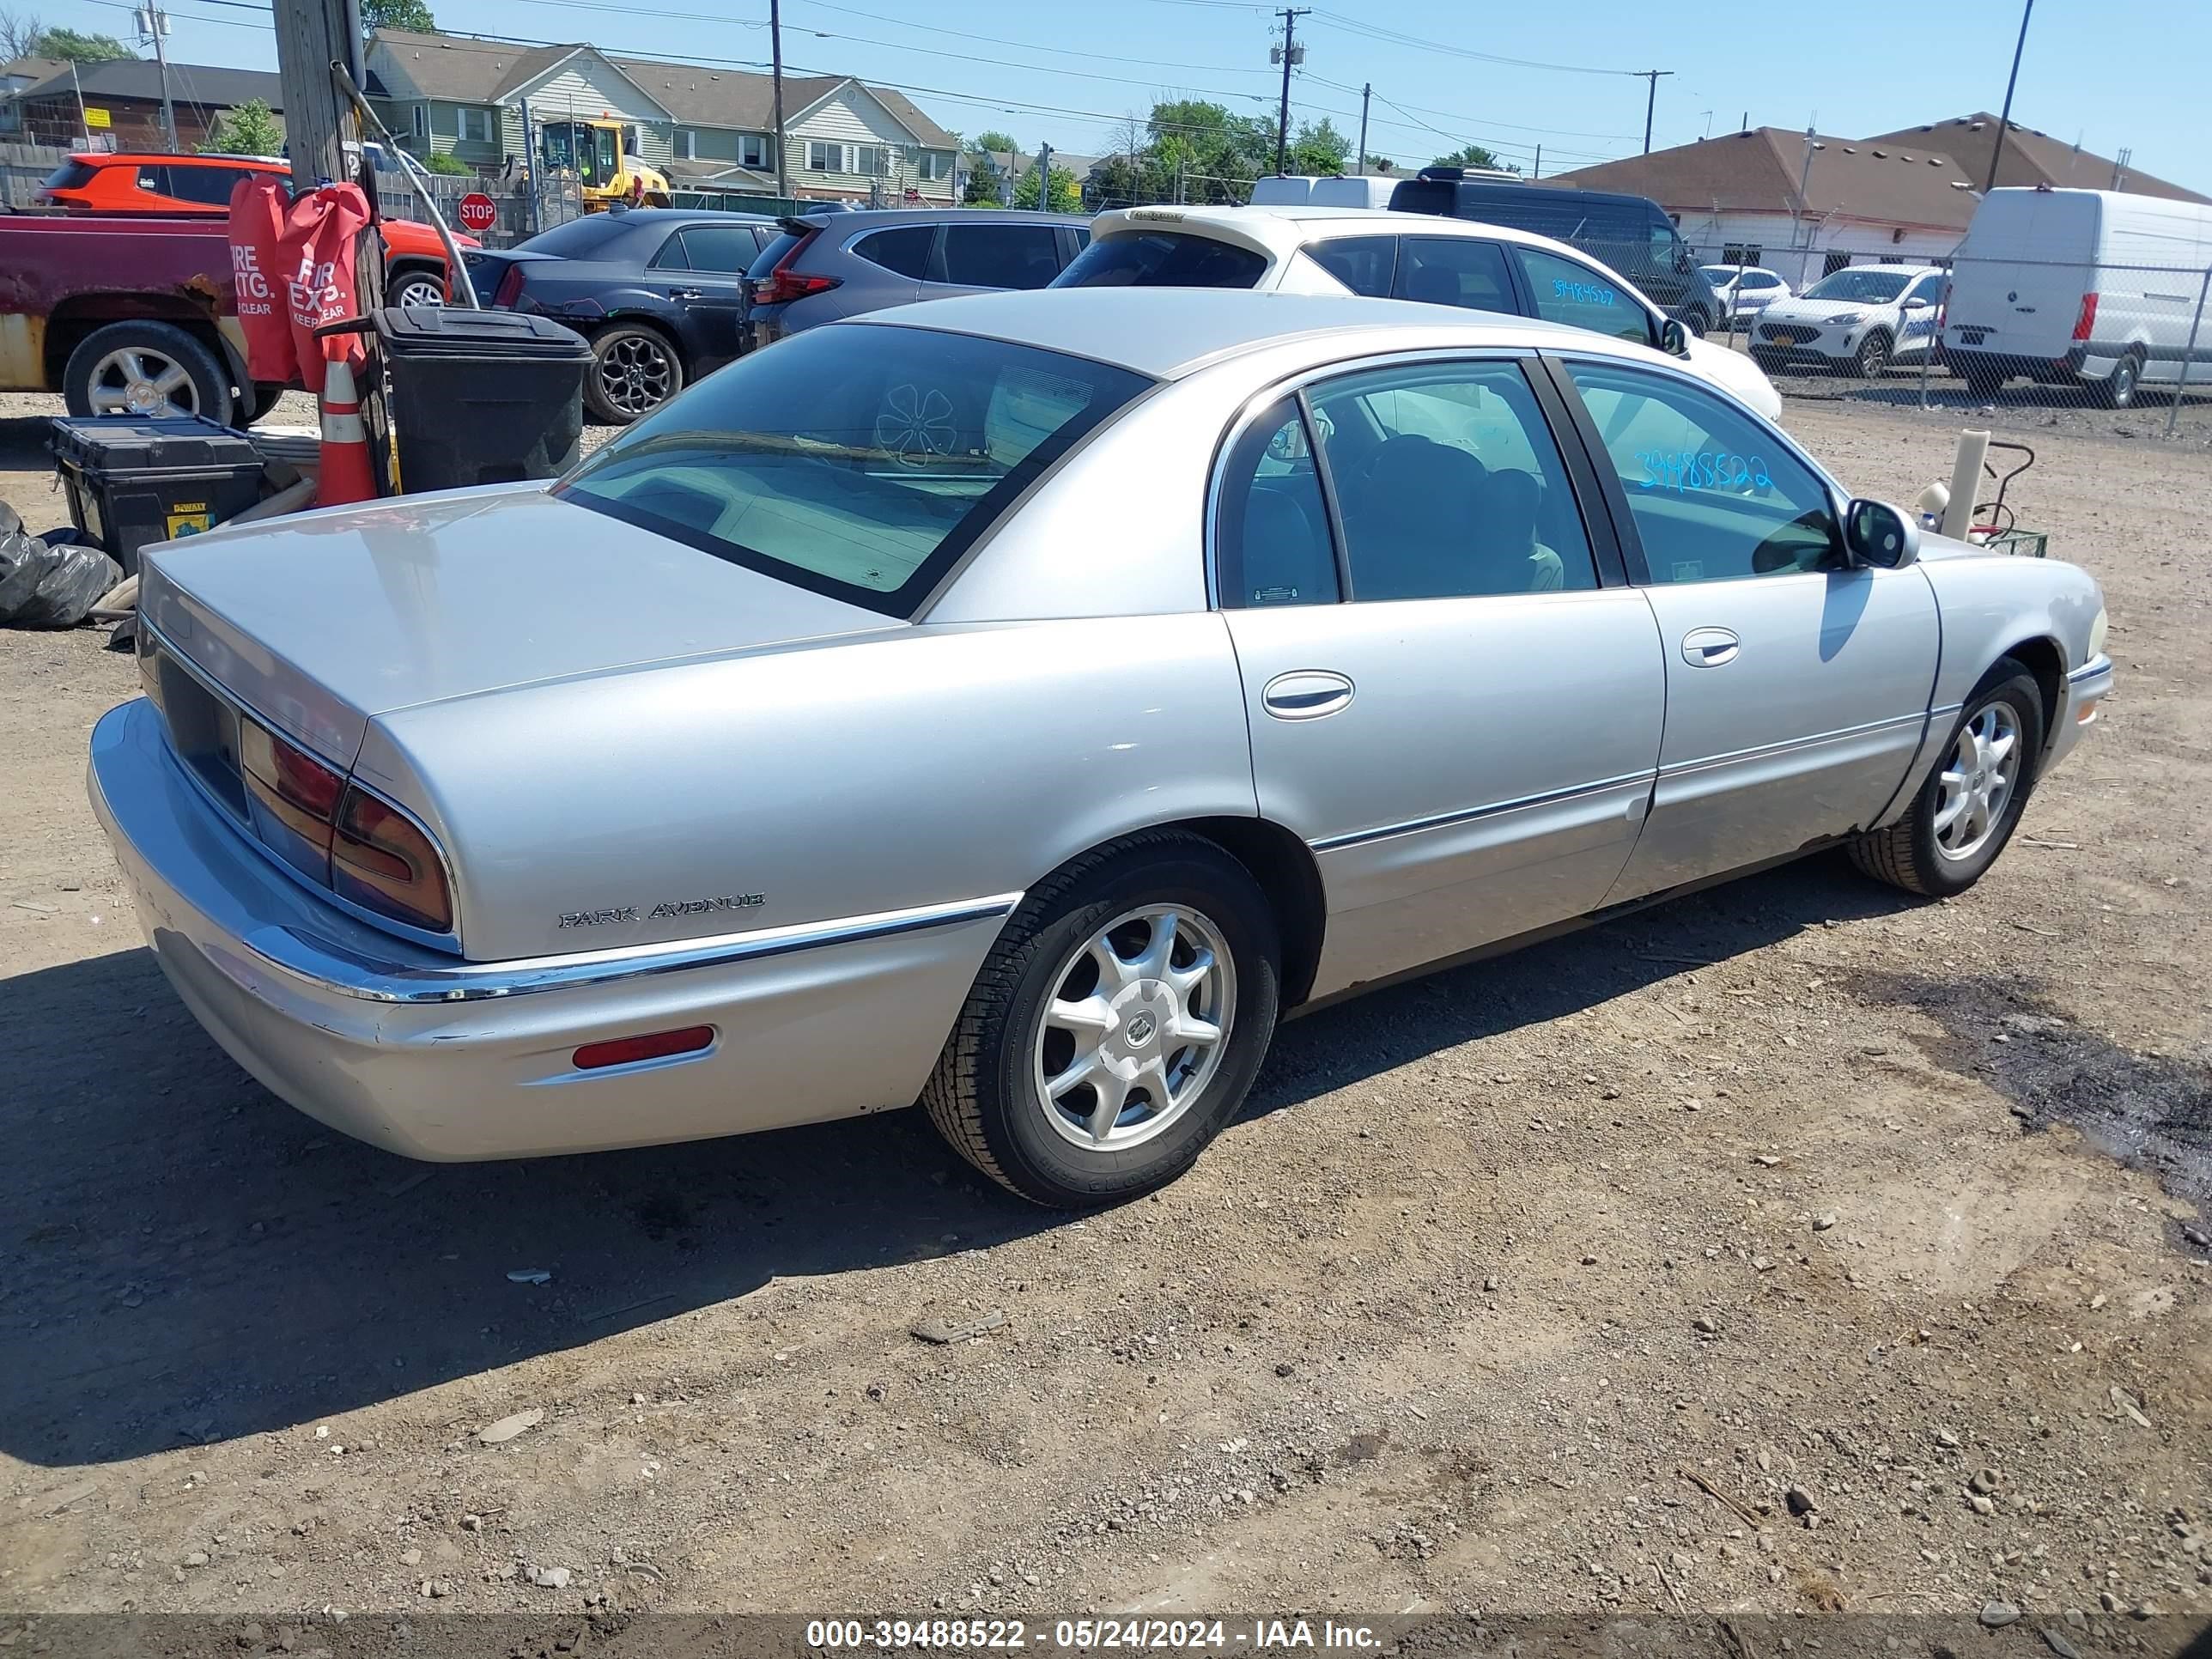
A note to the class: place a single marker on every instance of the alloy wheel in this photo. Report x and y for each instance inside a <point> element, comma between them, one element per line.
<point>1977,781</point>
<point>138,380</point>
<point>419,290</point>
<point>1136,1027</point>
<point>636,373</point>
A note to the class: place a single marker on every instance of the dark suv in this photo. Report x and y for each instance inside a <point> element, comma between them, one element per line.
<point>1631,233</point>
<point>842,264</point>
<point>654,289</point>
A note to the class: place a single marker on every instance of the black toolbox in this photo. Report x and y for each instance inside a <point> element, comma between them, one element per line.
<point>482,397</point>
<point>132,483</point>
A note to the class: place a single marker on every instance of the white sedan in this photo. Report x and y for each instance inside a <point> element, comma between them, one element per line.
<point>1746,290</point>
<point>1396,256</point>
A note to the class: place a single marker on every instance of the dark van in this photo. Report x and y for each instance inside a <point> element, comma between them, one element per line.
<point>1631,233</point>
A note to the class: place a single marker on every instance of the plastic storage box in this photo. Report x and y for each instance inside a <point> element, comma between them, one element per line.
<point>132,483</point>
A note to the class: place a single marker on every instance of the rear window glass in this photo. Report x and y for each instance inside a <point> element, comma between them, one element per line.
<point>903,250</point>
<point>580,239</point>
<point>859,461</point>
<point>70,175</point>
<point>1162,258</point>
<point>1365,264</point>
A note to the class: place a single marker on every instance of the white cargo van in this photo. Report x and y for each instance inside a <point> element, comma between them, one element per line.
<point>1328,190</point>
<point>2092,287</point>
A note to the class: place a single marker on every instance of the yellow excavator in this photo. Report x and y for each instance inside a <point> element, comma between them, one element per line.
<point>601,156</point>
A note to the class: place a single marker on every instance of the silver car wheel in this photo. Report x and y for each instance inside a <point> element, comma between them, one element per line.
<point>419,289</point>
<point>1136,1027</point>
<point>1977,781</point>
<point>140,381</point>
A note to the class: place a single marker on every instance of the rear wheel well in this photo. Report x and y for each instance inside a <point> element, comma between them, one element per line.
<point>1283,866</point>
<point>2042,658</point>
<point>646,319</point>
<point>70,326</point>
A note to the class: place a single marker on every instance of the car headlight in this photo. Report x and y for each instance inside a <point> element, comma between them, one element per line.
<point>1844,319</point>
<point>2097,635</point>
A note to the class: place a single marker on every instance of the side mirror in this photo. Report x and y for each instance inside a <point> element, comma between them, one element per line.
<point>1673,338</point>
<point>1878,534</point>
<point>1914,305</point>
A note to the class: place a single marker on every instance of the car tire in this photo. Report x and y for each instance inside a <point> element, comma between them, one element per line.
<point>120,368</point>
<point>636,368</point>
<point>1928,852</point>
<point>1872,356</point>
<point>989,1096</point>
<point>2118,389</point>
<point>415,285</point>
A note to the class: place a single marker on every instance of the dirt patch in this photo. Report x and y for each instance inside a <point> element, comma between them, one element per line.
<point>1739,1187</point>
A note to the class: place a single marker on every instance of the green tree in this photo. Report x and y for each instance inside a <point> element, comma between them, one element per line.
<point>249,130</point>
<point>1380,164</point>
<point>1472,155</point>
<point>411,15</point>
<point>75,48</point>
<point>1067,194</point>
<point>995,141</point>
<point>1318,147</point>
<point>451,166</point>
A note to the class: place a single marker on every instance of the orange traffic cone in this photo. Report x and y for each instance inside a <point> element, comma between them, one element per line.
<point>346,474</point>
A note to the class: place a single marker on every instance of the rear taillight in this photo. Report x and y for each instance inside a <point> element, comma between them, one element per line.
<point>292,798</point>
<point>381,861</point>
<point>2086,324</point>
<point>509,290</point>
<point>339,835</point>
<point>782,282</point>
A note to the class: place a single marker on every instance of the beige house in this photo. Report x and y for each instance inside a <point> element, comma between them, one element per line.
<point>484,102</point>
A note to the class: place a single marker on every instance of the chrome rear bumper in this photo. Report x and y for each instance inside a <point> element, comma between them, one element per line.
<point>433,1057</point>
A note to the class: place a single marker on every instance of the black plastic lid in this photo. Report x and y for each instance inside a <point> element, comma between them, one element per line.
<point>455,332</point>
<point>170,444</point>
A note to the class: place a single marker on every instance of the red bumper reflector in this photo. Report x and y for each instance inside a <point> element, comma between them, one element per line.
<point>624,1051</point>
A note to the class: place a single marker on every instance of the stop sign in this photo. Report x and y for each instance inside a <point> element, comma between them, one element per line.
<point>477,211</point>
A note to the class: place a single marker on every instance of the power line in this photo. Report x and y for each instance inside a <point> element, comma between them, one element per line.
<point>1511,126</point>
<point>1356,26</point>
<point>1026,45</point>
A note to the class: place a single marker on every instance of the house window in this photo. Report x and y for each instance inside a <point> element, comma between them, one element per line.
<point>824,158</point>
<point>933,164</point>
<point>687,144</point>
<point>752,150</point>
<point>476,126</point>
<point>422,120</point>
<point>873,159</point>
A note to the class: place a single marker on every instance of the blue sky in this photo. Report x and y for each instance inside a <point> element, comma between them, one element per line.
<point>1065,73</point>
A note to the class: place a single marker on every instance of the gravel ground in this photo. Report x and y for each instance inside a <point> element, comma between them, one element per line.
<point>1537,1287</point>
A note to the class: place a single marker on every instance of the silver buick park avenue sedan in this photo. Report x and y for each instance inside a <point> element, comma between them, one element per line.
<point>1018,704</point>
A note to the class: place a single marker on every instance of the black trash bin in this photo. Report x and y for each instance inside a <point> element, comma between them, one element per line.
<point>482,397</point>
<point>132,483</point>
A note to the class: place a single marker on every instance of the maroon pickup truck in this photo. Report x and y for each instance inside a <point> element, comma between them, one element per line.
<point>124,316</point>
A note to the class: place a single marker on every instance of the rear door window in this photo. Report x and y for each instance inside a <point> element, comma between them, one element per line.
<point>1569,292</point>
<point>1365,264</point>
<point>724,248</point>
<point>154,181</point>
<point>205,183</point>
<point>1164,258</point>
<point>903,249</point>
<point>671,256</point>
<point>1455,270</point>
<point>999,256</point>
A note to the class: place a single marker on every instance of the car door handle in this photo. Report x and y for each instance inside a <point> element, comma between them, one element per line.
<point>1306,694</point>
<point>686,294</point>
<point>1709,647</point>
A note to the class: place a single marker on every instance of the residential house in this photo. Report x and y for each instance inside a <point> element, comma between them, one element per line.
<point>118,104</point>
<point>2032,158</point>
<point>708,129</point>
<point>1799,204</point>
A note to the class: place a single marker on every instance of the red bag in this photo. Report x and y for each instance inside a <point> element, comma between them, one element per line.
<point>317,258</point>
<point>257,226</point>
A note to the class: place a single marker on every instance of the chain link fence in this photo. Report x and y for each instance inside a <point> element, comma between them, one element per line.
<point>2122,347</point>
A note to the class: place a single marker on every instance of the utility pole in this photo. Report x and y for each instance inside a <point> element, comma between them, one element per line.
<point>775,60</point>
<point>84,127</point>
<point>1538,171</point>
<point>1044,178</point>
<point>2004,121</point>
<point>1651,100</point>
<point>311,36</point>
<point>1289,52</point>
<point>154,24</point>
<point>1366,91</point>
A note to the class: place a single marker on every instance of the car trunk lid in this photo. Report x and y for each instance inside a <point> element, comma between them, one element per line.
<point>320,624</point>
